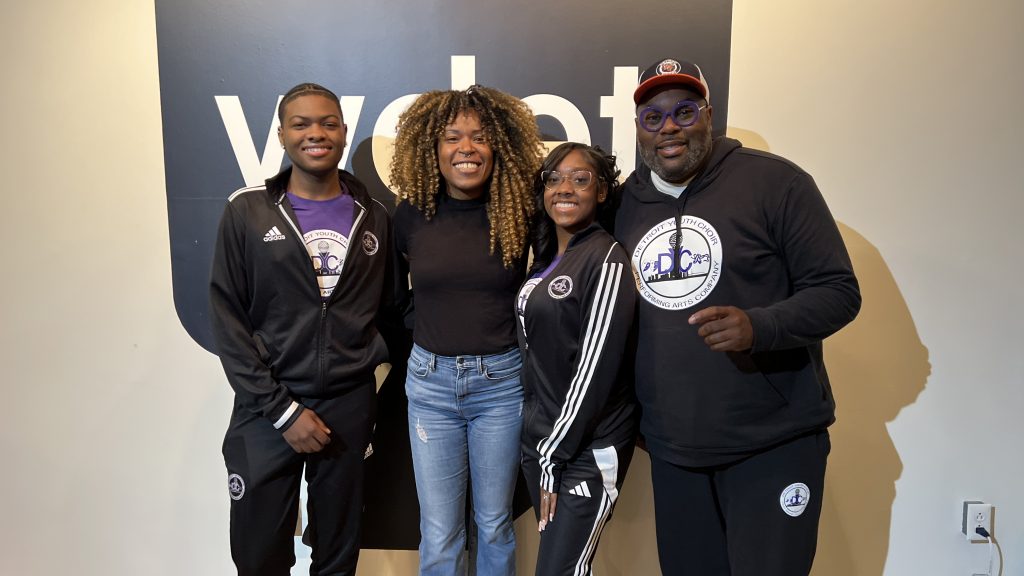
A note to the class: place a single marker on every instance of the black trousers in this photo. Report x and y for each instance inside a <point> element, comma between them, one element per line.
<point>589,488</point>
<point>264,475</point>
<point>758,516</point>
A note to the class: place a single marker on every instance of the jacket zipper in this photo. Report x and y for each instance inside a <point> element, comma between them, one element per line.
<point>316,287</point>
<point>676,252</point>
<point>322,344</point>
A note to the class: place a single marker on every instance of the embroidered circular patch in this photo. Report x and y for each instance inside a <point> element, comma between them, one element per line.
<point>370,244</point>
<point>236,487</point>
<point>794,499</point>
<point>669,66</point>
<point>560,287</point>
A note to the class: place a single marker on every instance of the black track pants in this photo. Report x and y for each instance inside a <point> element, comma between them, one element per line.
<point>589,489</point>
<point>758,516</point>
<point>264,474</point>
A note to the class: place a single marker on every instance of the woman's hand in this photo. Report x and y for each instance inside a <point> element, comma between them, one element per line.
<point>548,501</point>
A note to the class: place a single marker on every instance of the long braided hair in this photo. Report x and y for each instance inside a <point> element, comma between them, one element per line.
<point>510,129</point>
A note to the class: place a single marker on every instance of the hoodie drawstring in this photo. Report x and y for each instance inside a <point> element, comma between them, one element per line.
<point>676,250</point>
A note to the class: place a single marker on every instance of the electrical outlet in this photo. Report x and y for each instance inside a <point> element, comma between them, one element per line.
<point>976,515</point>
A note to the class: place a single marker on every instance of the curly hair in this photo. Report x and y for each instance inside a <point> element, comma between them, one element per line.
<point>544,240</point>
<point>510,129</point>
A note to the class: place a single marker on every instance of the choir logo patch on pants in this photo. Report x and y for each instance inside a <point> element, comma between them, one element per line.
<point>236,487</point>
<point>794,499</point>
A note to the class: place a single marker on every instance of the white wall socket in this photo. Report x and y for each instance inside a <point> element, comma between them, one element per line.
<point>976,515</point>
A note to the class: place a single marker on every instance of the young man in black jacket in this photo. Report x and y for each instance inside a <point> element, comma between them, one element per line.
<point>741,273</point>
<point>300,270</point>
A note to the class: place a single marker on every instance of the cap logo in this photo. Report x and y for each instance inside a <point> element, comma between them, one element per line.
<point>669,67</point>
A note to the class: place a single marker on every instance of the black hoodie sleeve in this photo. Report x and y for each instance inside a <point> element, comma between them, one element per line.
<point>238,346</point>
<point>607,309</point>
<point>825,295</point>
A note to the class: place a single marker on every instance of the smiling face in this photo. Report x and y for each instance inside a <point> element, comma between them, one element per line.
<point>313,134</point>
<point>673,153</point>
<point>465,157</point>
<point>570,209</point>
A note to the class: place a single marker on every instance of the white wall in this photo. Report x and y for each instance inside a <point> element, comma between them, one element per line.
<point>905,112</point>
<point>908,115</point>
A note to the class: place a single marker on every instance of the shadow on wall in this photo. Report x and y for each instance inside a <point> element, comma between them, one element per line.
<point>877,366</point>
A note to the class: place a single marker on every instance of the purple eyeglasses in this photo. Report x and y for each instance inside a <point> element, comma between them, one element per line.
<point>685,113</point>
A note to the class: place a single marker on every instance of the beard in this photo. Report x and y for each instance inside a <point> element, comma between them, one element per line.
<point>697,149</point>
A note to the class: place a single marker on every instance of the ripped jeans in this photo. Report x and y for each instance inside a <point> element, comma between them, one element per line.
<point>465,416</point>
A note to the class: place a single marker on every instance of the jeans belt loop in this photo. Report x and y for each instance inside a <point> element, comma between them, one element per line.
<point>433,362</point>
<point>480,364</point>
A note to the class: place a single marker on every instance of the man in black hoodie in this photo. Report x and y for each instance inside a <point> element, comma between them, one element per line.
<point>741,273</point>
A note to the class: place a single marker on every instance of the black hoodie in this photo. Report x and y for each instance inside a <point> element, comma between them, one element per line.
<point>752,231</point>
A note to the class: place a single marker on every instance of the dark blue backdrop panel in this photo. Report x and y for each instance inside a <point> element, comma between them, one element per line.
<point>257,49</point>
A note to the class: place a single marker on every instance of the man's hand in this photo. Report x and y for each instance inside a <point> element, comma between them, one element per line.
<point>724,328</point>
<point>308,434</point>
<point>547,508</point>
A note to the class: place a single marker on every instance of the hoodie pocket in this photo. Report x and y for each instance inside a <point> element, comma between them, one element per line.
<point>769,394</point>
<point>788,372</point>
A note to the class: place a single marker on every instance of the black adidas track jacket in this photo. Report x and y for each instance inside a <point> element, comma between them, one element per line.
<point>575,333</point>
<point>276,337</point>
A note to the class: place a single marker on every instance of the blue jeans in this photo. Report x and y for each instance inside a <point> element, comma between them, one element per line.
<point>465,416</point>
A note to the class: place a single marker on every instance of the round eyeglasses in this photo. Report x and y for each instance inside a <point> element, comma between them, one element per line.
<point>579,179</point>
<point>685,113</point>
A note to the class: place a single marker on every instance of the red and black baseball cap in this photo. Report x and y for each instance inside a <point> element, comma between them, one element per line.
<point>669,72</point>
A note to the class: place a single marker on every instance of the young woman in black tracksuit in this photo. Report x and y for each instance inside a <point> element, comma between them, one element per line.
<point>575,316</point>
<point>299,274</point>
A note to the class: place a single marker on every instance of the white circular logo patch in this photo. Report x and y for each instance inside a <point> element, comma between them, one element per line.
<point>794,499</point>
<point>236,487</point>
<point>370,243</point>
<point>674,269</point>
<point>560,287</point>
<point>327,250</point>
